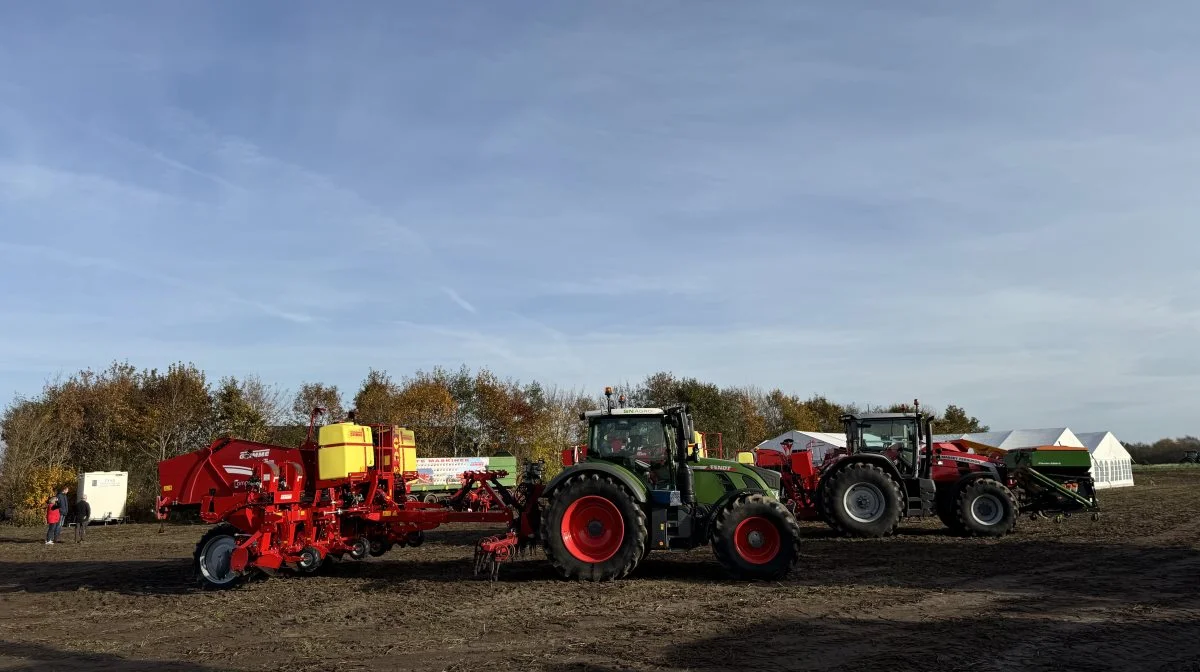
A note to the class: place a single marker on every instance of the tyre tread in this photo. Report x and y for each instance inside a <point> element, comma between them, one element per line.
<point>852,472</point>
<point>724,551</point>
<point>571,568</point>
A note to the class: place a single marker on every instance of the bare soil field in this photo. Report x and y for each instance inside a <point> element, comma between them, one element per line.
<point>1121,593</point>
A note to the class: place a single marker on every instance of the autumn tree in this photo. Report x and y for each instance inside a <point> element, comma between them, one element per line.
<point>828,414</point>
<point>426,406</point>
<point>236,414</point>
<point>784,412</point>
<point>178,410</point>
<point>954,420</point>
<point>377,399</point>
<point>34,448</point>
<point>316,395</point>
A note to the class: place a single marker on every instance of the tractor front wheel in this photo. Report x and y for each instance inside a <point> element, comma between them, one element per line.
<point>756,538</point>
<point>211,558</point>
<point>593,529</point>
<point>987,509</point>
<point>862,500</point>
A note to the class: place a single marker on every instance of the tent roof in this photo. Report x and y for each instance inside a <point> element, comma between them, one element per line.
<point>1019,438</point>
<point>800,438</point>
<point>1104,445</point>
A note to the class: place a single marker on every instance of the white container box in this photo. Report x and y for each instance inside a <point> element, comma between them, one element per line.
<point>106,493</point>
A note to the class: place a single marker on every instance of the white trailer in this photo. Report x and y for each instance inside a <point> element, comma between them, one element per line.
<point>106,493</point>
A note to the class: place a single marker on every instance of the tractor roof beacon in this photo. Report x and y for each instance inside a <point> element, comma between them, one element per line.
<point>640,485</point>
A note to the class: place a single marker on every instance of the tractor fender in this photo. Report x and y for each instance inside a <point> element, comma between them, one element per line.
<point>957,486</point>
<point>725,499</point>
<point>623,476</point>
<point>877,460</point>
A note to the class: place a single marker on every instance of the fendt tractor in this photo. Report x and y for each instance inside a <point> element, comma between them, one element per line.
<point>345,493</point>
<point>640,485</point>
<point>891,469</point>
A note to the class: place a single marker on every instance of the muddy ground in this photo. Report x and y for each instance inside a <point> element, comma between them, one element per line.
<point>1121,593</point>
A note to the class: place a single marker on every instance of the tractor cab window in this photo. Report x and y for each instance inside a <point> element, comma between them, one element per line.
<point>642,439</point>
<point>894,436</point>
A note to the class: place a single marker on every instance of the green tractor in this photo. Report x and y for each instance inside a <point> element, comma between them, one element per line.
<point>640,485</point>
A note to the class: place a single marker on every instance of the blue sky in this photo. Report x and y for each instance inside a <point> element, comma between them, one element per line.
<point>989,204</point>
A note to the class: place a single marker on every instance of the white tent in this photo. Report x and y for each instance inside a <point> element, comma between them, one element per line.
<point>820,443</point>
<point>1019,438</point>
<point>1112,465</point>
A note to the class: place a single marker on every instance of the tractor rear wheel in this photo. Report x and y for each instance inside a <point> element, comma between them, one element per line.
<point>211,558</point>
<point>862,500</point>
<point>986,509</point>
<point>593,529</point>
<point>756,538</point>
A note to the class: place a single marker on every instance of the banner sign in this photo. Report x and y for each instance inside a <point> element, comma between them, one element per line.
<point>447,470</point>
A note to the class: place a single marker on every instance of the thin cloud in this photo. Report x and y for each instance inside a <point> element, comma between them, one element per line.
<point>136,270</point>
<point>462,303</point>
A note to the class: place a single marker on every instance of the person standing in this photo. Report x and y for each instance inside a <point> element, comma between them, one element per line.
<point>64,505</point>
<point>83,515</point>
<point>53,517</point>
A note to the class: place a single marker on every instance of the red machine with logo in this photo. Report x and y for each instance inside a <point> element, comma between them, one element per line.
<point>271,507</point>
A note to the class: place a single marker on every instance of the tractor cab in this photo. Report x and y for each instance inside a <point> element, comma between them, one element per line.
<point>646,441</point>
<point>904,438</point>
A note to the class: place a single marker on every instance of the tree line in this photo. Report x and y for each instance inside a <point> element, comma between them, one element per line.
<point>125,419</point>
<point>1163,451</point>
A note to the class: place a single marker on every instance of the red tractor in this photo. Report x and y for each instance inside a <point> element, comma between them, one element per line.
<point>892,469</point>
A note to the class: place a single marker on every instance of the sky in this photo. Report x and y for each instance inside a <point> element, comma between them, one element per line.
<point>991,204</point>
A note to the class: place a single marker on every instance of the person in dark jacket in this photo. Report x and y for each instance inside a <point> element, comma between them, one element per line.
<point>83,515</point>
<point>64,505</point>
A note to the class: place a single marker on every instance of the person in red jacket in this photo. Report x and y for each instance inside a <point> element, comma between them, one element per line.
<point>53,515</point>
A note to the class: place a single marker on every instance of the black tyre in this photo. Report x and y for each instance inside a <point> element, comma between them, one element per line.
<point>946,504</point>
<point>756,538</point>
<point>359,549</point>
<point>862,500</point>
<point>310,560</point>
<point>593,529</point>
<point>379,547</point>
<point>210,560</point>
<point>986,509</point>
<point>415,539</point>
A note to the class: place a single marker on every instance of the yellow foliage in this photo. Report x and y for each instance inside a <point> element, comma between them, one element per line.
<point>39,484</point>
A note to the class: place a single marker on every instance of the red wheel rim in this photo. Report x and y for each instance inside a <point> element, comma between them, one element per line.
<point>592,529</point>
<point>757,540</point>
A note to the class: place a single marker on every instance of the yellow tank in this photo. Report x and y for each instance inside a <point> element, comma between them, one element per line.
<point>344,448</point>
<point>405,443</point>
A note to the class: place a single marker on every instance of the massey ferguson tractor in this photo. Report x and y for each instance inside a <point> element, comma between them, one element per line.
<point>639,485</point>
<point>892,469</point>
